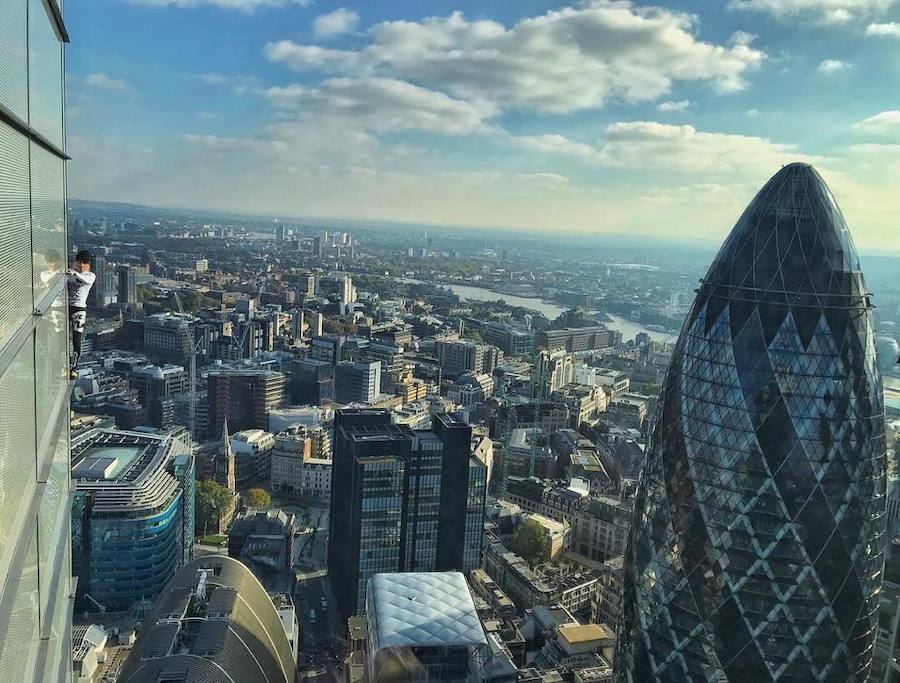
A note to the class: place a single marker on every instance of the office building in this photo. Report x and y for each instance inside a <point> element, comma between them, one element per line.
<point>252,456</point>
<point>577,339</point>
<point>156,388</point>
<point>132,518</point>
<point>214,623</point>
<point>311,381</point>
<point>169,338</point>
<point>243,397</point>
<point>758,543</point>
<point>35,497</point>
<point>391,358</point>
<point>263,539</point>
<point>296,471</point>
<point>126,287</point>
<point>401,500</point>
<point>552,370</point>
<point>101,293</point>
<point>357,382</point>
<point>458,356</point>
<point>201,265</point>
<point>423,627</point>
<point>511,340</point>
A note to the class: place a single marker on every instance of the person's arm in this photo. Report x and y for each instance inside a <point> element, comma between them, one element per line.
<point>80,277</point>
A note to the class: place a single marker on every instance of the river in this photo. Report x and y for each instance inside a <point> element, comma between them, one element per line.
<point>549,309</point>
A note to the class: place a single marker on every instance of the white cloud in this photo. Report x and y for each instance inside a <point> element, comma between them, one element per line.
<point>833,66</point>
<point>657,146</point>
<point>562,61</point>
<point>242,5</point>
<point>385,104</point>
<point>558,144</point>
<point>336,23</point>
<point>651,145</point>
<point>883,123</point>
<point>310,57</point>
<point>887,30</point>
<point>670,106</point>
<point>820,11</point>
<point>106,82</point>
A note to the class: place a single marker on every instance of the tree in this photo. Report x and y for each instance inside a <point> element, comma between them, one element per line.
<point>258,498</point>
<point>211,500</point>
<point>530,542</point>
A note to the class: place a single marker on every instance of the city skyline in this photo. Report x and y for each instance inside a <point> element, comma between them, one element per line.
<point>599,117</point>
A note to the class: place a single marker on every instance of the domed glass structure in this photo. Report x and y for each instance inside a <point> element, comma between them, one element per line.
<point>758,538</point>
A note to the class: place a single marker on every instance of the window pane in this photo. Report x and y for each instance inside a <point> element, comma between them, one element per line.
<point>17,448</point>
<point>48,219</point>
<point>53,521</point>
<point>51,361</point>
<point>20,647</point>
<point>13,58</point>
<point>45,74</point>
<point>15,232</point>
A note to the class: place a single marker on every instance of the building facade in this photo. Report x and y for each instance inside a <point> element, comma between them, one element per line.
<point>357,382</point>
<point>401,500</point>
<point>132,518</point>
<point>243,397</point>
<point>758,539</point>
<point>35,496</point>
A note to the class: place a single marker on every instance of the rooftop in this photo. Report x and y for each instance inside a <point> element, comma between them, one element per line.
<point>432,609</point>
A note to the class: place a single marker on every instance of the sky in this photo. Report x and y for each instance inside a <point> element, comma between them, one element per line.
<point>610,116</point>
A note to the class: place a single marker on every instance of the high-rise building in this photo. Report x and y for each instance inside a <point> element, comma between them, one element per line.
<point>243,397</point>
<point>357,382</point>
<point>401,500</point>
<point>35,579</point>
<point>757,547</point>
<point>169,337</point>
<point>458,356</point>
<point>214,622</point>
<point>552,371</point>
<point>511,340</point>
<point>133,515</point>
<point>156,387</point>
<point>126,286</point>
<point>100,294</point>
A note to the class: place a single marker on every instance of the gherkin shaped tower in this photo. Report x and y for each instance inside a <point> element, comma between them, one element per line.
<point>757,546</point>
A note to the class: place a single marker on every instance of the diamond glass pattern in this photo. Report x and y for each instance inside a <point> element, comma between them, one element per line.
<point>757,544</point>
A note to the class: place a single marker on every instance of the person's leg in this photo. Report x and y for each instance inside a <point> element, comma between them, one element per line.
<point>77,318</point>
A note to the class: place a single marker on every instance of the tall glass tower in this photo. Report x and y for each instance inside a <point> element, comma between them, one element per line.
<point>757,545</point>
<point>35,574</point>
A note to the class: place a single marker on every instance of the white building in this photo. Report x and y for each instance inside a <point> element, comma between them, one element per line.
<point>295,470</point>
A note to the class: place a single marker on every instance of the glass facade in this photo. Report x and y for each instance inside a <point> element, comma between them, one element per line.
<point>758,538</point>
<point>133,527</point>
<point>35,492</point>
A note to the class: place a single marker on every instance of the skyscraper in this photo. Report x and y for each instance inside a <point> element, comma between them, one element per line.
<point>243,397</point>
<point>126,286</point>
<point>758,536</point>
<point>401,500</point>
<point>35,577</point>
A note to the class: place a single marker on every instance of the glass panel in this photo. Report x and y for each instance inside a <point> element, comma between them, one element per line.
<point>13,58</point>
<point>15,232</point>
<point>17,448</point>
<point>45,74</point>
<point>20,644</point>
<point>51,360</point>
<point>53,518</point>
<point>48,219</point>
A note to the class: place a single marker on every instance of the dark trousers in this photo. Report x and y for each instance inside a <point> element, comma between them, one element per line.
<point>77,318</point>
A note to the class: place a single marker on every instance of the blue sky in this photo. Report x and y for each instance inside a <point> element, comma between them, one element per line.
<point>609,115</point>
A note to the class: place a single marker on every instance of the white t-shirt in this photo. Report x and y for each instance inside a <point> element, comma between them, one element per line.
<point>79,285</point>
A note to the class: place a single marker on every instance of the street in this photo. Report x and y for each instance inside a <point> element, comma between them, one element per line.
<point>322,649</point>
